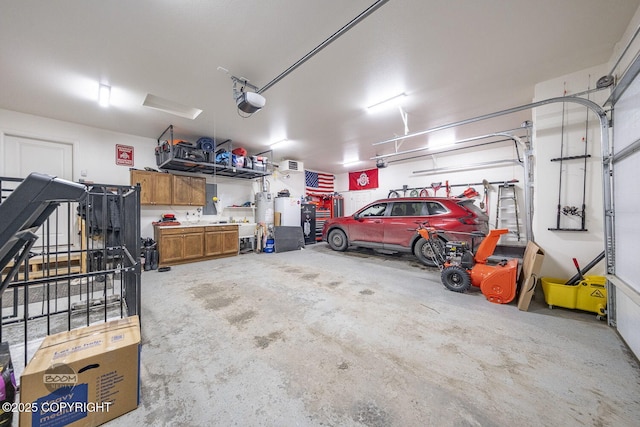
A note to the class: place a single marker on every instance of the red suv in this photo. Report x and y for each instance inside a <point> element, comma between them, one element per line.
<point>390,224</point>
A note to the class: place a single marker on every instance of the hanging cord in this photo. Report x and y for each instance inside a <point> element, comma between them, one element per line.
<point>561,156</point>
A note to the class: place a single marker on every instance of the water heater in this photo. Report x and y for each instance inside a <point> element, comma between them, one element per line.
<point>264,208</point>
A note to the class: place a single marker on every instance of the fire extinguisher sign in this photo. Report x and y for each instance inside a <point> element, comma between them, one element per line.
<point>124,155</point>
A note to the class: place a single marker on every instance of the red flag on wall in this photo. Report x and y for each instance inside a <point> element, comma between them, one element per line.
<point>363,180</point>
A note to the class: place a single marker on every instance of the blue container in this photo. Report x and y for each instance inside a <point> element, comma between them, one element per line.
<point>269,247</point>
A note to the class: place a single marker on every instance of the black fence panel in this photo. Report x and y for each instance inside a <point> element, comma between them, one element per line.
<point>82,267</point>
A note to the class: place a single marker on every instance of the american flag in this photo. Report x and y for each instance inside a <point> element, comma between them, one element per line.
<point>318,182</point>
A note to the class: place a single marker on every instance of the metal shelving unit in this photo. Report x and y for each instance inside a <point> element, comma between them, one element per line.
<point>195,160</point>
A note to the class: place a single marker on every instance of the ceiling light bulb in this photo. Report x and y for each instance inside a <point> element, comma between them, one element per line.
<point>104,95</point>
<point>351,163</point>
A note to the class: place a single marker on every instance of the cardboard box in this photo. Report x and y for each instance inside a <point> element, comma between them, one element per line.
<point>531,267</point>
<point>84,377</point>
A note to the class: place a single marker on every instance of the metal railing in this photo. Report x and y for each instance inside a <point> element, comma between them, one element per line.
<point>84,268</point>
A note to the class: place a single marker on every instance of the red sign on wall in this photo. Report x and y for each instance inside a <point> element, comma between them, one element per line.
<point>124,155</point>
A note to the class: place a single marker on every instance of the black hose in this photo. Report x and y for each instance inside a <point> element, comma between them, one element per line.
<point>576,278</point>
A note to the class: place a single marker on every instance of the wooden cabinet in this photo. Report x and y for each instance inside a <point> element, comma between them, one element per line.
<point>155,187</point>
<point>180,245</point>
<point>221,240</point>
<point>168,189</point>
<point>188,190</point>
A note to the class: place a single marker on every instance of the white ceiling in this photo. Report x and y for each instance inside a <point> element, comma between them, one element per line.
<point>455,59</point>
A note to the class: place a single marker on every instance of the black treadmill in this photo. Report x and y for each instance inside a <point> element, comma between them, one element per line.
<point>25,210</point>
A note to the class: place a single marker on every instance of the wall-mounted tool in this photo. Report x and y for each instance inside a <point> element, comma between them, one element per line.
<point>568,211</point>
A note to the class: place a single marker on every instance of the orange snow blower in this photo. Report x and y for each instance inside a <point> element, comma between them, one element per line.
<point>460,268</point>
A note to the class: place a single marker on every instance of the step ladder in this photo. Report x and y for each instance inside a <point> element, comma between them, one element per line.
<point>507,209</point>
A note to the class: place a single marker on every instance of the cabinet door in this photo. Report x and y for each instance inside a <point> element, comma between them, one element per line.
<point>230,241</point>
<point>198,191</point>
<point>171,248</point>
<point>146,186</point>
<point>162,188</point>
<point>189,190</point>
<point>155,188</point>
<point>193,245</point>
<point>181,190</point>
<point>212,243</point>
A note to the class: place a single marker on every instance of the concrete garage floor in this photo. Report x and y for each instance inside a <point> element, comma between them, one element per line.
<point>319,338</point>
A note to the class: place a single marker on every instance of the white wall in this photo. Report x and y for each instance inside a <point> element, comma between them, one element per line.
<point>562,246</point>
<point>94,149</point>
<point>398,174</point>
<point>291,181</point>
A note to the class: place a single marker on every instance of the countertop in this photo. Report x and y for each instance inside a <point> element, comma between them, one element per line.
<point>245,229</point>
<point>201,224</point>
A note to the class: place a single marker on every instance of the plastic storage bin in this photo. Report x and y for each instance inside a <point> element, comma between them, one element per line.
<point>270,246</point>
<point>589,294</point>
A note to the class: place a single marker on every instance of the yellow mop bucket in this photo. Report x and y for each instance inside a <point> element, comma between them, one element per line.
<point>589,294</point>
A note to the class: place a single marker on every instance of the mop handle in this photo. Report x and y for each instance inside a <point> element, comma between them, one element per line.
<point>575,262</point>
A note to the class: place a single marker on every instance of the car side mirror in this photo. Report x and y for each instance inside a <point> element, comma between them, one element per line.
<point>356,216</point>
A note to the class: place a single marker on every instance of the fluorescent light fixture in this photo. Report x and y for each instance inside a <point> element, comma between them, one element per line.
<point>351,163</point>
<point>171,107</point>
<point>394,101</point>
<point>104,95</point>
<point>279,144</point>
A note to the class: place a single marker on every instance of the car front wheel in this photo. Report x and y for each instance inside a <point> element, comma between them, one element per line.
<point>424,253</point>
<point>337,240</point>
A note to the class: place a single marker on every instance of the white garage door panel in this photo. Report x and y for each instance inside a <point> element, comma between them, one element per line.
<point>627,117</point>
<point>626,199</point>
<point>627,223</point>
<point>628,315</point>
